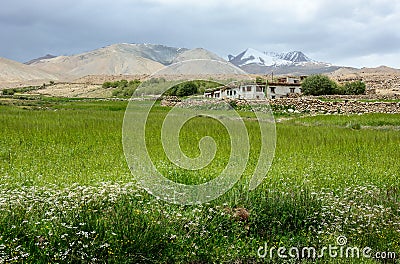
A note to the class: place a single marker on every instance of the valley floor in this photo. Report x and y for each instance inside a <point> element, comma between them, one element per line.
<point>67,195</point>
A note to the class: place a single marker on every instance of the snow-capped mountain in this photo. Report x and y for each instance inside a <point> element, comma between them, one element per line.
<point>295,56</point>
<point>294,62</point>
<point>250,56</point>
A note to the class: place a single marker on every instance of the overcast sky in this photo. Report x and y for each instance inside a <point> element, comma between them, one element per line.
<point>344,32</point>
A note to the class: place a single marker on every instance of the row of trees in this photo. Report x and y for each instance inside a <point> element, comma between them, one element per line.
<point>123,87</point>
<point>322,85</point>
<point>191,88</point>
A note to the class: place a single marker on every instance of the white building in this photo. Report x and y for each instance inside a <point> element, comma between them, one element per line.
<point>284,87</point>
<point>281,88</point>
<point>244,91</point>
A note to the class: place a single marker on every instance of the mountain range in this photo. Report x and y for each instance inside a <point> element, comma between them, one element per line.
<point>294,62</point>
<point>145,59</point>
<point>117,59</point>
<point>125,59</point>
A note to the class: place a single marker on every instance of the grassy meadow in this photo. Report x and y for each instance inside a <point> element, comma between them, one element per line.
<point>67,195</point>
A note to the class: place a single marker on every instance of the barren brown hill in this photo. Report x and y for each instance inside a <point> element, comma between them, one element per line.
<point>382,80</point>
<point>111,60</point>
<point>121,59</point>
<point>13,74</point>
<point>100,79</point>
<point>198,53</point>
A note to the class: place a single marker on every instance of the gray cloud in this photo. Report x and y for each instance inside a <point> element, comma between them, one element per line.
<point>351,32</point>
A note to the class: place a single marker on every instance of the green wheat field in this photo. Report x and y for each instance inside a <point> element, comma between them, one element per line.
<point>67,195</point>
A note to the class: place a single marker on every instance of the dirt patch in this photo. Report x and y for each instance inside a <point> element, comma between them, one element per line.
<point>74,90</point>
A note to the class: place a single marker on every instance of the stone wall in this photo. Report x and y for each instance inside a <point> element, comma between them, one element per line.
<point>373,96</point>
<point>342,107</point>
<point>170,101</point>
<point>299,105</point>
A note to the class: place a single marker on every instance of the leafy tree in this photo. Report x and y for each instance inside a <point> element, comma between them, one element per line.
<point>357,87</point>
<point>134,83</point>
<point>188,88</point>
<point>122,84</point>
<point>191,87</point>
<point>319,85</point>
<point>107,84</point>
<point>172,91</point>
<point>123,88</point>
<point>203,85</point>
<point>12,91</point>
<point>9,91</point>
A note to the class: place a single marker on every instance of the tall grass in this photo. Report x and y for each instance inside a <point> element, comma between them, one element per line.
<point>66,194</point>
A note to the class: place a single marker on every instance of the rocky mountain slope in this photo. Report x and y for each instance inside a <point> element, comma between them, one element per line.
<point>294,63</point>
<point>47,56</point>
<point>110,60</point>
<point>380,80</point>
<point>194,54</point>
<point>125,59</point>
<point>13,73</point>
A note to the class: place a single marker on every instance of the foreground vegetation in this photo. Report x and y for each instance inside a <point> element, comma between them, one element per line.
<point>125,89</point>
<point>323,85</point>
<point>66,194</point>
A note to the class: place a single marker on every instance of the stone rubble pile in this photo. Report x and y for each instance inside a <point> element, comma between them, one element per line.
<point>170,101</point>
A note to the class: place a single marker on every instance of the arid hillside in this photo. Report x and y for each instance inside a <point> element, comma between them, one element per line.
<point>380,80</point>
<point>117,59</point>
<point>14,74</point>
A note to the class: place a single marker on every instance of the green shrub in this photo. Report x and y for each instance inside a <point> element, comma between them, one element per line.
<point>318,85</point>
<point>357,87</point>
<point>123,88</point>
<point>9,91</point>
<point>107,85</point>
<point>12,91</point>
<point>322,85</point>
<point>191,88</point>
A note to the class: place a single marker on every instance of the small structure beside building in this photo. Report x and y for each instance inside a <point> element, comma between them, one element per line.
<point>280,88</point>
